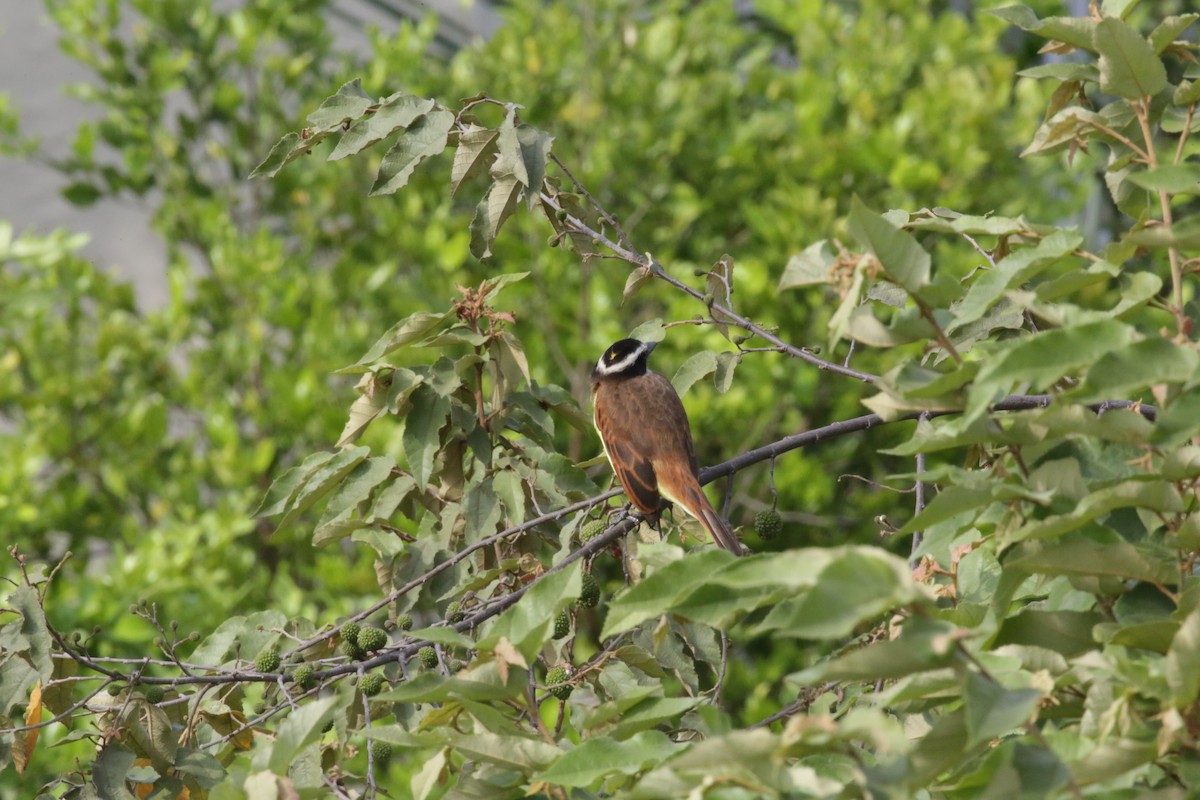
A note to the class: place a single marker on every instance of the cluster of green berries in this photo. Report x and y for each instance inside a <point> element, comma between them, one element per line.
<point>591,530</point>
<point>381,751</point>
<point>562,624</point>
<point>589,595</point>
<point>404,622</point>
<point>372,639</point>
<point>154,694</point>
<point>454,612</point>
<point>768,524</point>
<point>303,677</point>
<point>371,684</point>
<point>428,657</point>
<point>267,661</point>
<point>556,682</point>
<point>359,640</point>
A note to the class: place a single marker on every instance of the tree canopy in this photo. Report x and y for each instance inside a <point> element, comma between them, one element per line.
<point>332,522</point>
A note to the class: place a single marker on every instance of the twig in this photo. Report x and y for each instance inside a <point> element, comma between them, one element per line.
<point>716,309</point>
<point>919,503</point>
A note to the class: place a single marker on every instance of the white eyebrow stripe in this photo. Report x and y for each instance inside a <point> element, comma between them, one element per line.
<point>623,364</point>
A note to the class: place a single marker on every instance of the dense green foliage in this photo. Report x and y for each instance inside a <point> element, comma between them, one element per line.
<point>1047,641</point>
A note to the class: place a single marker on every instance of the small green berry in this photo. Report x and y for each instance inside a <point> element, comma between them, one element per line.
<point>267,661</point>
<point>154,694</point>
<point>381,751</point>
<point>428,657</point>
<point>372,638</point>
<point>303,677</point>
<point>556,682</point>
<point>350,631</point>
<point>768,524</point>
<point>589,595</point>
<point>591,530</point>
<point>351,648</point>
<point>562,624</point>
<point>114,689</point>
<point>454,612</point>
<point>404,622</point>
<point>371,685</point>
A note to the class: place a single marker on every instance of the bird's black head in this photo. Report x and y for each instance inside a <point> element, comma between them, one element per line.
<point>624,359</point>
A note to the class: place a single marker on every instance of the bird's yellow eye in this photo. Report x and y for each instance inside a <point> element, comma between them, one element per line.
<point>611,356</point>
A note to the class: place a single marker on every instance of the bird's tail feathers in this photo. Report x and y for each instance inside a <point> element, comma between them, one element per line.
<point>699,507</point>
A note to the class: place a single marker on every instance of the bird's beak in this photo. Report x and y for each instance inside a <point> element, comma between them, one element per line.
<point>650,346</point>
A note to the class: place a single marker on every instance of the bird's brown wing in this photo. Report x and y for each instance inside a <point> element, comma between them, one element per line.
<point>629,461</point>
<point>674,461</point>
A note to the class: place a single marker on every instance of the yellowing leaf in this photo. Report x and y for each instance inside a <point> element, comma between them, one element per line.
<point>33,715</point>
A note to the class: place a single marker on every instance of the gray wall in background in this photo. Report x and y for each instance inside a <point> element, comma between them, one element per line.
<point>33,72</point>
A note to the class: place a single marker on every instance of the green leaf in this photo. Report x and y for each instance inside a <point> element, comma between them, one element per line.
<point>350,102</point>
<point>1167,31</point>
<point>358,485</point>
<point>1159,496</point>
<point>1065,632</point>
<point>727,362</point>
<point>290,147</point>
<point>24,649</point>
<point>422,427</point>
<point>923,645</point>
<point>1182,659</point>
<point>480,683</point>
<point>600,756</point>
<point>1129,66</point>
<point>535,150</point>
<point>902,258</point>
<point>1184,234</point>
<point>284,488</point>
<point>1171,178</point>
<point>992,710</point>
<point>1187,93</point>
<point>637,278</point>
<point>808,268</point>
<point>109,771</point>
<point>1077,31</point>
<point>859,583</point>
<point>301,728</point>
<point>424,138</point>
<point>661,589</point>
<point>322,480</point>
<point>1063,128</point>
<point>651,330</point>
<point>519,752</point>
<point>395,113</point>
<point>695,368</point>
<point>476,149</point>
<point>528,623</point>
<point>409,329</point>
<point>481,510</point>
<point>148,732</point>
<point>1042,359</point>
<point>1113,759</point>
<point>429,777</point>
<point>492,211</point>
<point>1015,268</point>
<point>1085,556</point>
<point>1136,366</point>
<point>653,711</point>
<point>950,502</point>
<point>370,403</point>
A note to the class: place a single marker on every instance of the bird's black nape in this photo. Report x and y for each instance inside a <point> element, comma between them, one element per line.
<point>624,359</point>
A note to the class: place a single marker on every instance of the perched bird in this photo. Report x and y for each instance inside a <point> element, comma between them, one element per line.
<point>648,440</point>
